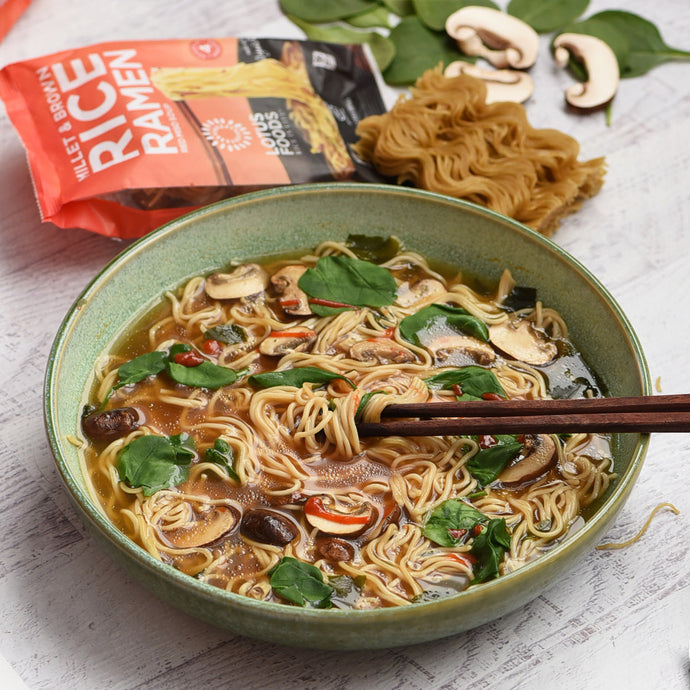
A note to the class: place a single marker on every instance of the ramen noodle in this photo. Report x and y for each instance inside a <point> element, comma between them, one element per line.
<point>444,137</point>
<point>125,136</point>
<point>221,434</point>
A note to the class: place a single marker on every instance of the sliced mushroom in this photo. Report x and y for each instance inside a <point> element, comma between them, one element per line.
<point>539,456</point>
<point>111,424</point>
<point>520,340</point>
<point>381,350</point>
<point>324,514</point>
<point>210,526</point>
<point>293,300</point>
<point>600,64</point>
<point>420,292</point>
<point>459,350</point>
<point>501,84</point>
<point>277,343</point>
<point>334,549</point>
<point>246,280</point>
<point>268,527</point>
<point>503,40</point>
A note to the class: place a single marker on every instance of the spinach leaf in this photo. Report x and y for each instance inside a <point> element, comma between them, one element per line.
<point>441,316</point>
<point>489,546</point>
<point>221,454</point>
<point>401,8</point>
<point>473,381</point>
<point>295,377</point>
<point>646,47</point>
<point>156,462</point>
<point>433,13</point>
<point>365,399</point>
<point>488,463</point>
<point>325,10</point>
<point>547,15</point>
<point>382,47</point>
<point>452,516</point>
<point>140,367</point>
<point>205,375</point>
<point>378,16</point>
<point>373,248</point>
<point>348,281</point>
<point>520,297</point>
<point>301,583</point>
<point>417,49</point>
<point>229,333</point>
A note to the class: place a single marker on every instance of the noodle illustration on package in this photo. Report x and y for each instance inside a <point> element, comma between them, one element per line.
<point>122,137</point>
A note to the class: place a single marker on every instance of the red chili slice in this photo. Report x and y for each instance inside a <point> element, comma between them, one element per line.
<point>291,334</point>
<point>491,396</point>
<point>330,303</point>
<point>188,359</point>
<point>211,347</point>
<point>487,441</point>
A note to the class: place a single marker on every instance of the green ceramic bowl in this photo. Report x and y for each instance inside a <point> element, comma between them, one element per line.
<point>277,221</point>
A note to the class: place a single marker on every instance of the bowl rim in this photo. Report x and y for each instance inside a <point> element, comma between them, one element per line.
<point>97,519</point>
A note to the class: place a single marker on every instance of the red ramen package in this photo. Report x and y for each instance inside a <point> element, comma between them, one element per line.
<point>122,137</point>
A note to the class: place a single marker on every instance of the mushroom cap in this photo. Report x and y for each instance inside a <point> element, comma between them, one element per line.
<point>278,343</point>
<point>541,456</point>
<point>500,38</point>
<point>600,63</point>
<point>382,350</point>
<point>419,293</point>
<point>519,340</point>
<point>324,514</point>
<point>244,281</point>
<point>209,527</point>
<point>285,282</point>
<point>459,350</point>
<point>501,84</point>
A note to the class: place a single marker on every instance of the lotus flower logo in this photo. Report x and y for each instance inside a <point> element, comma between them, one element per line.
<point>226,135</point>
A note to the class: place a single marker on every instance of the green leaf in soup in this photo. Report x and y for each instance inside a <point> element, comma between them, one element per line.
<point>433,13</point>
<point>646,47</point>
<point>300,583</point>
<point>473,381</point>
<point>205,375</point>
<point>488,463</point>
<point>449,519</point>
<point>489,546</point>
<point>382,47</point>
<point>325,10</point>
<point>295,377</point>
<point>229,333</point>
<point>365,399</point>
<point>545,16</point>
<point>349,281</point>
<point>155,462</point>
<point>423,326</point>
<point>373,248</point>
<point>141,367</point>
<point>221,454</point>
<point>417,49</point>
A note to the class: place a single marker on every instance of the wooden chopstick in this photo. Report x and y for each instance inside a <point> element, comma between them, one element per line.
<point>642,414</point>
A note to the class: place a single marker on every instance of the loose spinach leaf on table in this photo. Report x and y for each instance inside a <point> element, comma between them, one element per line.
<point>434,13</point>
<point>489,546</point>
<point>221,454</point>
<point>441,315</point>
<point>547,15</point>
<point>347,281</point>
<point>473,381</point>
<point>326,10</point>
<point>295,377</point>
<point>488,463</point>
<point>156,462</point>
<point>301,583</point>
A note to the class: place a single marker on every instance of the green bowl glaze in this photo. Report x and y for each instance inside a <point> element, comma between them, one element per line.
<point>287,219</point>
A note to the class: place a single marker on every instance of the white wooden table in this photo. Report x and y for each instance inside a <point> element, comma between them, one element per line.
<point>69,618</point>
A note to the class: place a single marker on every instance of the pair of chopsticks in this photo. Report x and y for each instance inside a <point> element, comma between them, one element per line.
<point>643,414</point>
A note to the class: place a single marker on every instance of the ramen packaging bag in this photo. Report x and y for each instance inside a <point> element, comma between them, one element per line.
<point>122,137</point>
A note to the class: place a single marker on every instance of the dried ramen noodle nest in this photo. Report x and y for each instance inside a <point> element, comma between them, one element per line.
<point>445,138</point>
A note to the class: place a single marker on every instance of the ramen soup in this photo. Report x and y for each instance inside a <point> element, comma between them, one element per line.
<point>221,433</point>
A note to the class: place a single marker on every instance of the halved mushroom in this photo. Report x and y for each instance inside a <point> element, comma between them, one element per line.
<point>209,526</point>
<point>420,292</point>
<point>342,520</point>
<point>600,64</point>
<point>501,84</point>
<point>293,300</point>
<point>381,350</point>
<point>459,350</point>
<point>268,527</point>
<point>520,340</point>
<point>111,424</point>
<point>538,456</point>
<point>277,343</point>
<point>503,40</point>
<point>246,280</point>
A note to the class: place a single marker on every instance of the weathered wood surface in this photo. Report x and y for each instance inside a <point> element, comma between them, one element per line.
<point>72,619</point>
